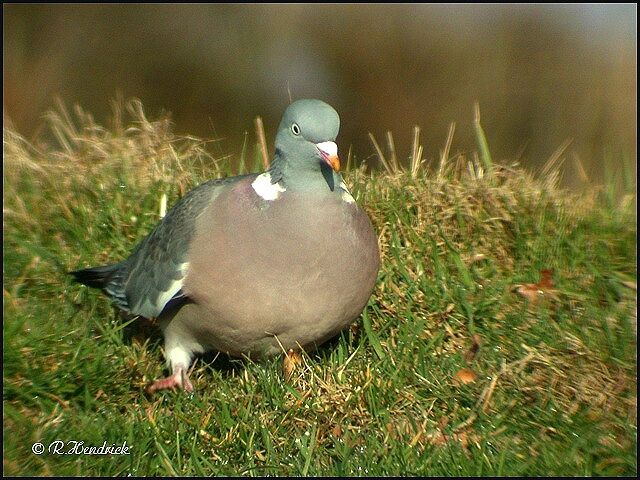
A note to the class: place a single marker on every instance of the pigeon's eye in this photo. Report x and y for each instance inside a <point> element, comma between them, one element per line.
<point>295,129</point>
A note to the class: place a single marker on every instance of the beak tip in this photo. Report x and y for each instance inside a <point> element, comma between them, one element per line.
<point>334,161</point>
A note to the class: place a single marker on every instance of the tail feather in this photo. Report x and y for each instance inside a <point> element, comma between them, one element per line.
<point>96,277</point>
<point>108,278</point>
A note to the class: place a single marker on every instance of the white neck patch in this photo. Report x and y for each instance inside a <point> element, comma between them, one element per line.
<point>265,189</point>
<point>330,148</point>
<point>346,194</point>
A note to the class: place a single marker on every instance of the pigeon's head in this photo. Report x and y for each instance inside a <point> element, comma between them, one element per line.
<point>307,134</point>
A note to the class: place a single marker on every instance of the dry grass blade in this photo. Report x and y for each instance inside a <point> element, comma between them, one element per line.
<point>349,157</point>
<point>414,147</point>
<point>582,173</point>
<point>444,154</point>
<point>163,205</point>
<point>20,152</point>
<point>481,139</point>
<point>556,159</point>
<point>420,161</point>
<point>262,141</point>
<point>392,152</point>
<point>416,152</point>
<point>381,156</point>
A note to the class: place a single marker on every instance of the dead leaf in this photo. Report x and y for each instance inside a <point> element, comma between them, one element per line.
<point>436,438</point>
<point>443,422</point>
<point>546,279</point>
<point>401,427</point>
<point>462,438</point>
<point>533,291</point>
<point>465,375</point>
<point>292,360</point>
<point>63,403</point>
<point>630,285</point>
<point>593,414</point>
<point>336,431</point>
<point>439,438</point>
<point>529,291</point>
<point>478,257</point>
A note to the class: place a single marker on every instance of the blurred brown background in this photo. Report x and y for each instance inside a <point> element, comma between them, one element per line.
<point>541,73</point>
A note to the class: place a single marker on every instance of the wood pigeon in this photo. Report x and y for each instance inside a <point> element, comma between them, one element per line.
<point>256,264</point>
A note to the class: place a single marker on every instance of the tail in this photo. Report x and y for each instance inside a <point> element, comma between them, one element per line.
<point>96,277</point>
<point>109,278</point>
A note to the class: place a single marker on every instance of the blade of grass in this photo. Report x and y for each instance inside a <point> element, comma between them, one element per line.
<point>381,156</point>
<point>309,451</point>
<point>262,140</point>
<point>392,151</point>
<point>444,154</point>
<point>483,145</point>
<point>242,166</point>
<point>416,152</point>
<point>373,338</point>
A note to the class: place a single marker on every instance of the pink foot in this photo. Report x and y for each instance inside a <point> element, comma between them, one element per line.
<point>179,379</point>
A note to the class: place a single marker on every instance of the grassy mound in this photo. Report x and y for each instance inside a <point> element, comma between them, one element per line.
<point>500,339</point>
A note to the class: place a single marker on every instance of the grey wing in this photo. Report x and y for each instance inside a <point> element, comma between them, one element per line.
<point>156,269</point>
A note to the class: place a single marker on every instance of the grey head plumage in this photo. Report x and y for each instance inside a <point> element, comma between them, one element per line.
<point>306,155</point>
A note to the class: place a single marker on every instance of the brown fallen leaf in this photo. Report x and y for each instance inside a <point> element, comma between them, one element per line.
<point>291,361</point>
<point>478,257</point>
<point>63,403</point>
<point>336,431</point>
<point>630,285</point>
<point>593,414</point>
<point>443,422</point>
<point>439,438</point>
<point>400,427</point>
<point>462,438</point>
<point>546,279</point>
<point>465,375</point>
<point>390,428</point>
<point>533,291</point>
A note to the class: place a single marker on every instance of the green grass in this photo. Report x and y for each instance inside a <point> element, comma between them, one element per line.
<point>555,392</point>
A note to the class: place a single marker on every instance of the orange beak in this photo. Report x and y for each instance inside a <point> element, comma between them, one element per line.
<point>329,153</point>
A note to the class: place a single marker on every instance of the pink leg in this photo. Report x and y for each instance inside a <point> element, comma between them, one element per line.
<point>180,379</point>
